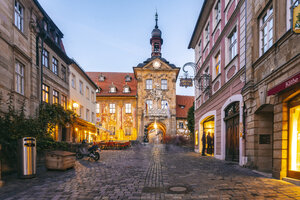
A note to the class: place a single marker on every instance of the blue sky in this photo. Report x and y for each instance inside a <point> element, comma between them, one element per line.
<point>114,35</point>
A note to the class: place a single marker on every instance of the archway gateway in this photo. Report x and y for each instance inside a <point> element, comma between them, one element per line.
<point>156,130</point>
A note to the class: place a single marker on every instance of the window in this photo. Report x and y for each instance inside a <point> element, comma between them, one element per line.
<point>149,84</point>
<point>63,73</point>
<point>149,104</point>
<point>98,90</point>
<point>164,104</point>
<point>87,115</point>
<point>92,97</point>
<point>80,87</point>
<point>200,49</point>
<point>64,101</point>
<point>56,38</point>
<point>112,130</point>
<point>127,131</point>
<point>113,89</point>
<point>164,84</point>
<point>87,92</point>
<point>206,71</point>
<point>19,80</point>
<point>126,89</point>
<point>180,124</point>
<point>156,47</point>
<point>55,96</point>
<point>73,81</point>
<point>93,117</point>
<point>217,12</point>
<point>45,26</point>
<point>19,16</point>
<point>101,77</point>
<point>97,108</point>
<point>112,108</point>
<point>217,69</point>
<point>45,58</point>
<point>207,34</point>
<point>289,6</point>
<point>233,44</point>
<point>127,78</point>
<point>54,66</point>
<point>81,111</point>
<point>45,92</point>
<point>127,108</point>
<point>266,30</point>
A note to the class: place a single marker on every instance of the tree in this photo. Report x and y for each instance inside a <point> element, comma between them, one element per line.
<point>191,121</point>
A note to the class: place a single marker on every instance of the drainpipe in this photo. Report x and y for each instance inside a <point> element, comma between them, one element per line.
<point>42,34</point>
<point>245,113</point>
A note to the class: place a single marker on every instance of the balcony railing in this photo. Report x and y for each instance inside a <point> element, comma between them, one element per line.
<point>160,113</point>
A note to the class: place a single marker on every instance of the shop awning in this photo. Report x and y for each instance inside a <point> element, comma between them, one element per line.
<point>285,84</point>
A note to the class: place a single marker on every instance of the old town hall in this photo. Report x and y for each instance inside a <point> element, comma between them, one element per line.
<point>129,103</point>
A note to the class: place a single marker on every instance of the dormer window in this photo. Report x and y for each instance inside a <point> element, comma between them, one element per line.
<point>182,106</point>
<point>56,38</point>
<point>98,90</point>
<point>101,77</point>
<point>112,88</point>
<point>126,89</point>
<point>45,26</point>
<point>127,78</point>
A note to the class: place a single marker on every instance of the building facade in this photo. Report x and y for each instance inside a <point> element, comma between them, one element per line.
<point>219,43</point>
<point>83,103</point>
<point>116,105</point>
<point>183,104</point>
<point>272,89</point>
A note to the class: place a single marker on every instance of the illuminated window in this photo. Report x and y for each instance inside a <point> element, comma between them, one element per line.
<point>149,84</point>
<point>45,93</point>
<point>127,131</point>
<point>55,96</point>
<point>19,16</point>
<point>164,84</point>
<point>112,108</point>
<point>54,66</point>
<point>127,108</point>
<point>266,30</point>
<point>19,80</point>
<point>64,101</point>
<point>217,66</point>
<point>45,58</point>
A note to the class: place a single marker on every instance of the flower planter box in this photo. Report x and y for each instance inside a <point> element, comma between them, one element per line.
<point>60,160</point>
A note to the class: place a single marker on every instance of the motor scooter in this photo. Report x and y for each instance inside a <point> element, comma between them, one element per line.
<point>92,152</point>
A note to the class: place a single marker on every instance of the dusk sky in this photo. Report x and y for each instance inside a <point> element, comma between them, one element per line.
<point>114,35</point>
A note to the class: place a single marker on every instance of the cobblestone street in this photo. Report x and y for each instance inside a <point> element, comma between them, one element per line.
<point>150,172</point>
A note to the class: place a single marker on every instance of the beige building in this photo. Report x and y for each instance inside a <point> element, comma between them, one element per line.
<point>83,102</point>
<point>272,89</point>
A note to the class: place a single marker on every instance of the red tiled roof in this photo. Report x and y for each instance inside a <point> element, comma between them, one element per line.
<point>118,79</point>
<point>183,104</point>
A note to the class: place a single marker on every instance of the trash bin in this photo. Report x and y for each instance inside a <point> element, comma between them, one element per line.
<point>27,157</point>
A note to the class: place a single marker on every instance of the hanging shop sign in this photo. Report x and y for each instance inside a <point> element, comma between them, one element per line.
<point>286,84</point>
<point>296,19</point>
<point>186,82</point>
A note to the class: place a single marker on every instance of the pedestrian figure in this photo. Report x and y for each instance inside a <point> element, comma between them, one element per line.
<point>209,143</point>
<point>203,143</point>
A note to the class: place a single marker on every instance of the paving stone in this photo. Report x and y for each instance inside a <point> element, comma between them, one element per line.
<point>147,172</point>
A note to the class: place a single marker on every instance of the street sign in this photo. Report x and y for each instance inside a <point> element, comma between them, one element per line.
<point>186,82</point>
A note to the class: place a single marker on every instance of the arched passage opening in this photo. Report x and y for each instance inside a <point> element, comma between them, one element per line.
<point>156,132</point>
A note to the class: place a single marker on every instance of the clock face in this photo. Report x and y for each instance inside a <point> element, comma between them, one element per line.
<point>156,64</point>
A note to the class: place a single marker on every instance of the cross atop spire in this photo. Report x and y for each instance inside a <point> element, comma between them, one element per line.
<point>156,19</point>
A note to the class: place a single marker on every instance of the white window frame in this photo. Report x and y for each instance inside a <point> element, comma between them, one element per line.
<point>163,104</point>
<point>19,78</point>
<point>179,125</point>
<point>149,84</point>
<point>113,89</point>
<point>73,81</point>
<point>45,58</point>
<point>149,103</point>
<point>217,11</point>
<point>19,16</point>
<point>266,24</point>
<point>232,44</point>
<point>289,5</point>
<point>128,108</point>
<point>126,89</point>
<point>217,63</point>
<point>112,108</point>
<point>97,108</point>
<point>164,84</point>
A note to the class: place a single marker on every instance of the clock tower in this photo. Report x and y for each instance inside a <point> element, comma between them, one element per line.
<point>156,41</point>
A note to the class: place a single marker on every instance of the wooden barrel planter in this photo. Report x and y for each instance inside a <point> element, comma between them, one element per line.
<point>60,160</point>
